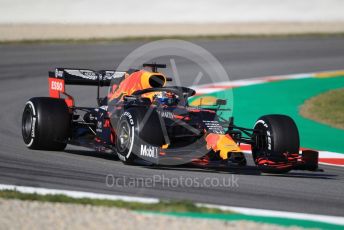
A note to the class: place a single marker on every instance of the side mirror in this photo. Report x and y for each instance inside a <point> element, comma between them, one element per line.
<point>221,102</point>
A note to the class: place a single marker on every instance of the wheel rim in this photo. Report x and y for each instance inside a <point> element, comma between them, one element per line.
<point>27,123</point>
<point>261,142</point>
<point>124,137</point>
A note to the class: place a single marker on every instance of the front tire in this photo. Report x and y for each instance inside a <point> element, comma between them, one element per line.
<point>125,138</point>
<point>132,133</point>
<point>46,124</point>
<point>275,137</point>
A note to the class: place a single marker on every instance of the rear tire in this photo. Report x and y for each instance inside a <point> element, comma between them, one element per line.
<point>279,136</point>
<point>46,124</point>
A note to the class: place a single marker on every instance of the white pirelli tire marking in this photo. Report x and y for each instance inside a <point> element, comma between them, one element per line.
<point>33,122</point>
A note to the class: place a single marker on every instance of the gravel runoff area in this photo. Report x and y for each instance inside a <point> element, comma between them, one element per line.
<point>16,214</point>
<point>18,32</point>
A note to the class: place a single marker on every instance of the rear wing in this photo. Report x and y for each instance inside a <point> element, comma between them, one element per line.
<point>86,76</point>
<point>61,77</point>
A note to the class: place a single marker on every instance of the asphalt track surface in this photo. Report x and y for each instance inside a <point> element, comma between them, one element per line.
<point>23,75</point>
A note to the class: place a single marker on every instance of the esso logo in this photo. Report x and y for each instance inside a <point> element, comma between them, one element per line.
<point>55,85</point>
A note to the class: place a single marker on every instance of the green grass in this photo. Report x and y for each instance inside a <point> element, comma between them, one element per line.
<point>162,206</point>
<point>327,108</point>
<point>183,37</point>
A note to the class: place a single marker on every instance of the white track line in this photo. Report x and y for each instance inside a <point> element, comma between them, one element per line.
<point>329,164</point>
<point>271,213</point>
<point>247,211</point>
<point>77,194</point>
<point>327,154</point>
<point>260,80</point>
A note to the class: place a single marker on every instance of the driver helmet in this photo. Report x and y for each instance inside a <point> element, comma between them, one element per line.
<point>165,98</point>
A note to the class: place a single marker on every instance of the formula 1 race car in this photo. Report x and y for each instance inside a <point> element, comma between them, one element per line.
<point>143,119</point>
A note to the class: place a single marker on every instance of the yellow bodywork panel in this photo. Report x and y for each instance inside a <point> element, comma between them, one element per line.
<point>222,143</point>
<point>204,101</point>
